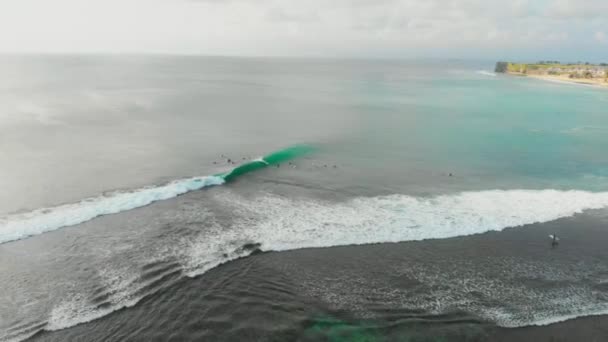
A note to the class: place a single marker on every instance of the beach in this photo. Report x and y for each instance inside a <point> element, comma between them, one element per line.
<point>596,82</point>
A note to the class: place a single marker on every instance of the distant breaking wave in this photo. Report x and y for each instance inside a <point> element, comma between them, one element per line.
<point>20,226</point>
<point>486,73</point>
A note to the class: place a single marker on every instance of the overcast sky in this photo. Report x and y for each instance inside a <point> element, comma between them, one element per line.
<point>561,29</point>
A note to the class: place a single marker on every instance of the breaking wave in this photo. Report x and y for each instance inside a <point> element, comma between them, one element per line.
<point>274,223</point>
<point>20,226</point>
<point>486,73</point>
<point>283,224</point>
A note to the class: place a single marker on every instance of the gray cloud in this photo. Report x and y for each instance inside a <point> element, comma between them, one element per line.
<point>336,27</point>
<point>281,14</point>
<point>570,9</point>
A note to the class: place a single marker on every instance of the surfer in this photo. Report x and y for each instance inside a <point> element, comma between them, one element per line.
<point>554,240</point>
<point>229,161</point>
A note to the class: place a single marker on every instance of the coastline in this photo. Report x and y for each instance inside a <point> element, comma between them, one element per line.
<point>598,83</point>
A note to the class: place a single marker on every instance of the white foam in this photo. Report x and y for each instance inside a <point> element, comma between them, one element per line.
<point>486,73</point>
<point>280,223</point>
<point>261,160</point>
<point>19,226</point>
<point>580,311</point>
<point>213,249</point>
<point>496,289</point>
<point>77,310</point>
<point>120,285</point>
<point>284,223</point>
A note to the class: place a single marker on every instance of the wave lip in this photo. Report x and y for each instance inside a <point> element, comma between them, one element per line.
<point>19,226</point>
<point>274,158</point>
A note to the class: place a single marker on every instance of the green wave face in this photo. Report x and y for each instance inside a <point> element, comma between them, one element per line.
<point>274,158</point>
<point>288,154</point>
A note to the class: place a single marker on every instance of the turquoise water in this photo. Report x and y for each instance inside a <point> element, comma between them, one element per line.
<point>150,120</point>
<point>490,132</point>
<point>376,127</point>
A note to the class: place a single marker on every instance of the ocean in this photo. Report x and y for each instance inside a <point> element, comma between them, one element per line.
<point>276,199</point>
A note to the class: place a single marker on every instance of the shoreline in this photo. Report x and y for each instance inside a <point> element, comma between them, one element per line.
<point>597,83</point>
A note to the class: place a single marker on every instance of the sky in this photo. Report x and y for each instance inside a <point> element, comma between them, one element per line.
<point>510,29</point>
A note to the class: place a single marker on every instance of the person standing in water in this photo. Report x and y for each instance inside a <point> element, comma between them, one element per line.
<point>554,240</point>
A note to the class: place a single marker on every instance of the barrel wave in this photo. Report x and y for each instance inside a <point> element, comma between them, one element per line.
<point>274,158</point>
<point>19,226</point>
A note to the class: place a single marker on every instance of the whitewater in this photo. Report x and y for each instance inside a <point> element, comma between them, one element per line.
<point>22,225</point>
<point>270,222</point>
<point>275,223</point>
<point>363,220</point>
